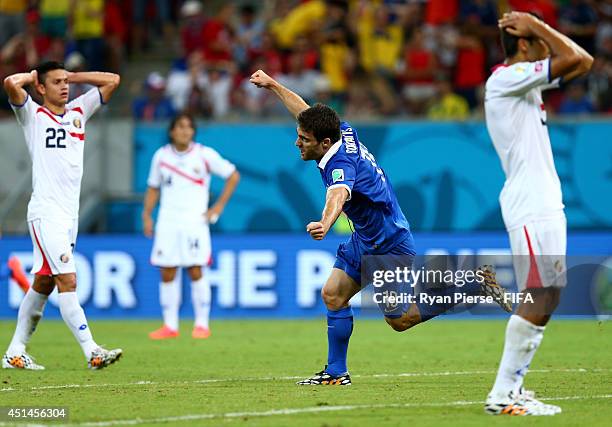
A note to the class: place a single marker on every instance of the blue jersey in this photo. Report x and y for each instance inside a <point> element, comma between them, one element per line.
<point>373,208</point>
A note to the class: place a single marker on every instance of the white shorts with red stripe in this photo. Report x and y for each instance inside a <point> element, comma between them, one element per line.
<point>53,241</point>
<point>538,252</point>
<point>181,245</point>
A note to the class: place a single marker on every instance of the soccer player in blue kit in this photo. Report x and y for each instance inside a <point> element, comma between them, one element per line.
<point>359,187</point>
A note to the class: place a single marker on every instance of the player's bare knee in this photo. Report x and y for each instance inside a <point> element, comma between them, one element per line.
<point>66,282</point>
<point>195,273</point>
<point>168,274</point>
<point>332,300</point>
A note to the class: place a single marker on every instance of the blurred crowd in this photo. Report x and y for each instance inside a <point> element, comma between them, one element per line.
<point>366,58</point>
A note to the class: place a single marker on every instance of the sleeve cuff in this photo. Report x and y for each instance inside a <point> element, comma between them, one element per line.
<point>101,97</point>
<point>549,70</point>
<point>24,102</point>
<point>342,185</point>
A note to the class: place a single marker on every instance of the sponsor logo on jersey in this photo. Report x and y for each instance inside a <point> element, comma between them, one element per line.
<point>196,171</point>
<point>65,258</point>
<point>539,67</point>
<point>77,123</point>
<point>83,327</point>
<point>338,175</point>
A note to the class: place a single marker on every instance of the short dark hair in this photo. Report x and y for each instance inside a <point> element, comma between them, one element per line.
<point>175,119</point>
<point>510,42</point>
<point>45,67</point>
<point>322,121</point>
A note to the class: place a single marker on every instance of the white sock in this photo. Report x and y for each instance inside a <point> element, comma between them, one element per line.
<point>170,301</point>
<point>200,296</point>
<point>74,317</point>
<point>522,340</point>
<point>30,312</point>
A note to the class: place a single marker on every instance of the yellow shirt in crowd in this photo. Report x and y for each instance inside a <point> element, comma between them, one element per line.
<point>88,19</point>
<point>297,22</point>
<point>12,7</point>
<point>54,7</point>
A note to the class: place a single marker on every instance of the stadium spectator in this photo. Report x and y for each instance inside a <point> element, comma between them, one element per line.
<point>115,34</point>
<point>54,17</point>
<point>269,52</point>
<point>217,89</point>
<point>603,36</point>
<point>153,105</point>
<point>600,84</point>
<point>578,20</point>
<point>545,9</point>
<point>249,32</point>
<point>191,26</point>
<point>576,100</point>
<point>419,70</point>
<point>25,50</point>
<point>470,68</point>
<point>480,13</point>
<point>88,31</point>
<point>303,81</point>
<point>217,37</point>
<point>447,104</point>
<point>141,16</point>
<point>181,83</point>
<point>310,56</point>
<point>337,63</point>
<point>300,20</point>
<point>12,18</point>
<point>380,47</point>
<point>438,12</point>
<point>480,18</point>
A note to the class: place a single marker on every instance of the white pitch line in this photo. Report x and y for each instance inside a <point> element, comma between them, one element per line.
<point>288,378</point>
<point>293,411</point>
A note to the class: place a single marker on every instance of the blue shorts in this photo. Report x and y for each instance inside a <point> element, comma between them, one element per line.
<point>348,256</point>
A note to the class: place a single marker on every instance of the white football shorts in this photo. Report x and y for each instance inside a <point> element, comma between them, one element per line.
<point>538,253</point>
<point>181,245</point>
<point>53,241</point>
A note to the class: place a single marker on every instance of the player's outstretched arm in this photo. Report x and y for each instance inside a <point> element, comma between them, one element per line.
<point>569,60</point>
<point>292,101</point>
<point>150,200</point>
<point>106,82</point>
<point>334,201</point>
<point>216,210</point>
<point>13,85</point>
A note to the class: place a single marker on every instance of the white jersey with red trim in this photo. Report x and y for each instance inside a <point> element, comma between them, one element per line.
<point>516,121</point>
<point>184,180</point>
<point>56,145</point>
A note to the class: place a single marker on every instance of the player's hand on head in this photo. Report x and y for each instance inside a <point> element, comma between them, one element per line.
<point>316,230</point>
<point>260,79</point>
<point>518,23</point>
<point>34,75</point>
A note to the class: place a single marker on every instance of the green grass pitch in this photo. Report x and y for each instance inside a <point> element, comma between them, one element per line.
<point>434,375</point>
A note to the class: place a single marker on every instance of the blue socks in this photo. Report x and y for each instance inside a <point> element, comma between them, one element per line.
<point>339,330</point>
<point>429,310</point>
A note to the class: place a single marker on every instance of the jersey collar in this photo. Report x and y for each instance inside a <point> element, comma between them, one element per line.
<point>182,153</point>
<point>330,153</point>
